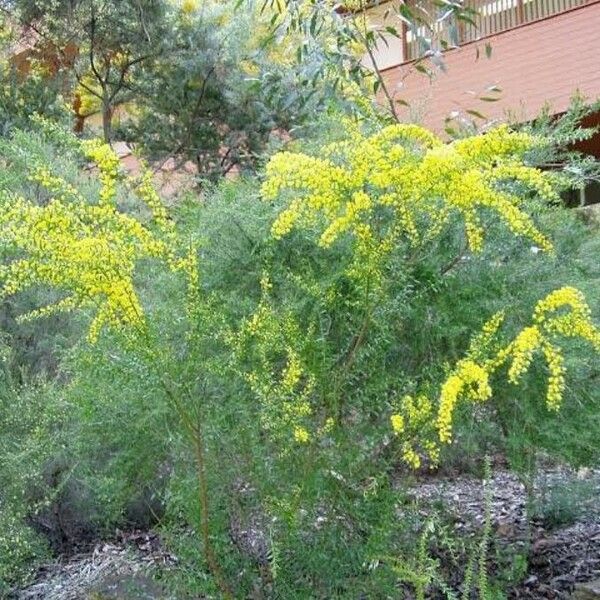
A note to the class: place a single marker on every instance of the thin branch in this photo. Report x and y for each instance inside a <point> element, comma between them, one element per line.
<point>449,266</point>
<point>382,84</point>
<point>85,86</point>
<point>91,51</point>
<point>120,83</point>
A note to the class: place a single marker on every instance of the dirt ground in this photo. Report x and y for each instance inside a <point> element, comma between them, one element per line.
<point>561,544</point>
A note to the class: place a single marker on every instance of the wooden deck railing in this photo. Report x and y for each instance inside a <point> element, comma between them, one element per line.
<point>491,16</point>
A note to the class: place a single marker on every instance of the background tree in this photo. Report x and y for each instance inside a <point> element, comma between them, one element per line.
<point>228,86</point>
<point>111,41</point>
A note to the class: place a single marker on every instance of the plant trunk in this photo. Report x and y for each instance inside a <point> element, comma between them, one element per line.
<point>194,432</point>
<point>213,565</point>
<point>107,114</point>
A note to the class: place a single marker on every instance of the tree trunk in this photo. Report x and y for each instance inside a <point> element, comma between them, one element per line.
<point>79,118</point>
<point>107,114</point>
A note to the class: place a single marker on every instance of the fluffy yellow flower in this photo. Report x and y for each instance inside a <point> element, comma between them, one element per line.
<point>412,425</point>
<point>189,6</point>
<point>410,457</point>
<point>556,380</point>
<point>397,423</point>
<point>292,372</point>
<point>301,435</point>
<point>562,313</point>
<point>87,251</point>
<point>469,379</point>
<point>523,347</point>
<point>405,172</point>
<point>108,164</point>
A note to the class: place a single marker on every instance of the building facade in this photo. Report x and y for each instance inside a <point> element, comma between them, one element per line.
<point>516,58</point>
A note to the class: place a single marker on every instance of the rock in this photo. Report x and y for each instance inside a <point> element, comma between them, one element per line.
<point>590,214</point>
<point>587,591</point>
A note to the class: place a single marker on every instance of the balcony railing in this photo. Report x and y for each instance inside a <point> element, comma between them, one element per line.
<point>489,16</point>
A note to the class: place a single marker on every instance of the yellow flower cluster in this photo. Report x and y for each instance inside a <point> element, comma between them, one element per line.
<point>146,191</point>
<point>397,424</point>
<point>284,394</point>
<point>412,424</point>
<point>482,344</point>
<point>469,379</point>
<point>189,6</point>
<point>87,251</point>
<point>57,186</point>
<point>108,164</point>
<point>575,323</point>
<point>301,435</point>
<point>292,372</point>
<point>522,349</point>
<point>403,182</point>
<point>563,312</point>
<point>556,378</point>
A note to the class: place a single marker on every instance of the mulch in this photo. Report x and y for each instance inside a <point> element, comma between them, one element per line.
<point>558,558</point>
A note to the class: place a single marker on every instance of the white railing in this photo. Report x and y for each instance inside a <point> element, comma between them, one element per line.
<point>489,16</point>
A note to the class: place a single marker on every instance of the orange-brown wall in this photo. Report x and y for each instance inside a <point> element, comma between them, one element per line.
<point>542,62</point>
<point>47,55</point>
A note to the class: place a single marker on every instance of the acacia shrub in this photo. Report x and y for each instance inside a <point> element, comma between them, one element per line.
<point>423,325</point>
<point>294,350</point>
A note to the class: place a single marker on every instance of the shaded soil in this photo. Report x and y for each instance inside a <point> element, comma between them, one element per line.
<point>560,560</point>
<point>562,540</point>
<point>116,570</point>
<point>560,544</point>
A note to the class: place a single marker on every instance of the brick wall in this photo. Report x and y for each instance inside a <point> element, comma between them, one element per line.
<point>534,64</point>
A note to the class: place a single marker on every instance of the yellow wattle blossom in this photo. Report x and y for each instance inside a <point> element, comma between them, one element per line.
<point>87,251</point>
<point>108,165</point>
<point>556,379</point>
<point>562,313</point>
<point>189,6</point>
<point>58,187</point>
<point>410,457</point>
<point>144,188</point>
<point>469,379</point>
<point>483,342</point>
<point>522,349</point>
<point>397,424</point>
<point>328,425</point>
<point>292,372</point>
<point>283,393</point>
<point>404,183</point>
<point>412,425</point>
<point>576,323</point>
<point>301,435</point>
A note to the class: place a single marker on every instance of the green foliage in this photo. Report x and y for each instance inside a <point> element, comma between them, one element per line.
<point>22,95</point>
<point>225,92</point>
<point>341,42</point>
<point>31,420</point>
<point>302,504</point>
<point>98,46</point>
<point>203,82</point>
<point>203,110</point>
<point>21,550</point>
<point>509,273</point>
<point>563,505</point>
<point>26,85</point>
<point>430,569</point>
<point>37,346</point>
